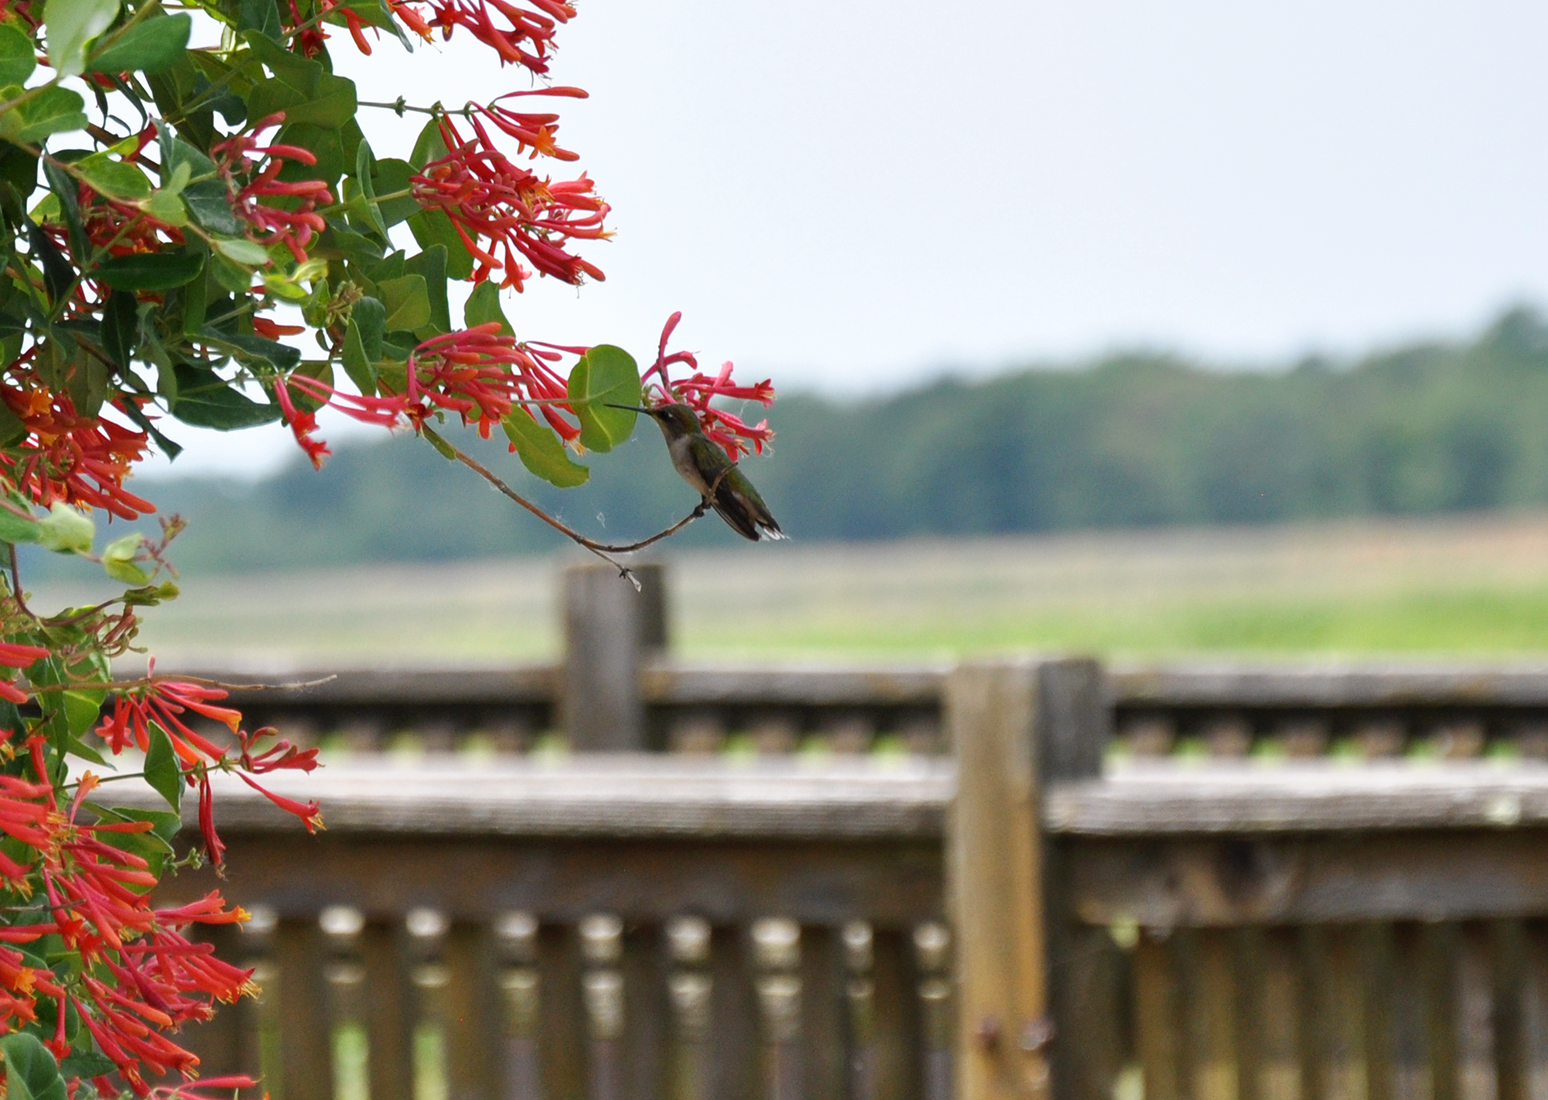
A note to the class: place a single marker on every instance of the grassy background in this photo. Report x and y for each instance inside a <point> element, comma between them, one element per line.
<point>1469,586</point>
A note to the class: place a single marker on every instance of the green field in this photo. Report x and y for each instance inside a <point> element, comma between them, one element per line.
<point>1472,586</point>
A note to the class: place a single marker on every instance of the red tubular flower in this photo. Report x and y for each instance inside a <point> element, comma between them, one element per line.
<point>367,408</point>
<point>480,374</point>
<point>309,812</point>
<point>163,702</point>
<point>251,171</point>
<point>273,330</point>
<point>534,131</point>
<point>281,756</point>
<point>17,655</point>
<point>80,460</point>
<point>735,436</point>
<point>520,36</point>
<point>489,198</point>
<point>14,655</point>
<point>302,425</point>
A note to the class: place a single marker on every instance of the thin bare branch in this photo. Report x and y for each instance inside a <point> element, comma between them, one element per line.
<point>602,550</point>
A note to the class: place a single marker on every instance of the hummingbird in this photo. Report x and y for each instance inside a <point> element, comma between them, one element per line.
<point>701,462</point>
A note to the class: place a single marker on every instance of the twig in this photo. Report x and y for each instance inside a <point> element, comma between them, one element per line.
<point>174,678</point>
<point>16,588</point>
<point>602,550</point>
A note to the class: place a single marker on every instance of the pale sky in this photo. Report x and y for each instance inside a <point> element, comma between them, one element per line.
<point>855,197</point>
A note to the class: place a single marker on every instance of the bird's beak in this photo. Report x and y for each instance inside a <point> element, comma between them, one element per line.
<point>631,408</point>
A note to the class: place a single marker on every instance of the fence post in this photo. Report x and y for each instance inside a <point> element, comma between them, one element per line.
<point>608,628</point>
<point>1015,726</point>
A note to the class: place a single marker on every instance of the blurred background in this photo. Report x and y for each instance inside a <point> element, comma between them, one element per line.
<point>1141,330</point>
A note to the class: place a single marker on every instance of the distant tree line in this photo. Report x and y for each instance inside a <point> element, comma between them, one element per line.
<point>1130,440</point>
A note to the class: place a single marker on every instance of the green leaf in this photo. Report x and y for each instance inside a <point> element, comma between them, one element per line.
<point>120,328</point>
<point>118,560</point>
<point>179,154</point>
<point>113,178</point>
<point>86,1064</point>
<point>433,227</point>
<point>77,747</point>
<point>152,45</point>
<point>364,162</point>
<point>605,376</point>
<point>541,452</point>
<point>389,177</point>
<point>326,143</point>
<point>483,306</point>
<point>81,710</point>
<point>330,102</point>
<point>70,25</point>
<point>299,72</point>
<point>429,146</point>
<point>150,270</point>
<point>261,16</point>
<point>371,317</point>
<point>209,203</point>
<point>161,768</point>
<point>18,171</point>
<point>338,242</point>
<point>52,111</point>
<point>30,1070</point>
<point>407,299</point>
<point>272,352</point>
<point>360,367</point>
<point>205,401</point>
<point>243,251</point>
<point>431,263</point>
<point>66,531</point>
<point>229,275</point>
<point>14,528</point>
<point>168,208</point>
<point>18,56</point>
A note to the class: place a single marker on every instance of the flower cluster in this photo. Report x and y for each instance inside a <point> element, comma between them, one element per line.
<point>490,199</point>
<point>139,976</point>
<point>162,704</point>
<point>480,374</point>
<point>78,460</point>
<point>735,436</point>
<point>526,37</point>
<point>251,171</point>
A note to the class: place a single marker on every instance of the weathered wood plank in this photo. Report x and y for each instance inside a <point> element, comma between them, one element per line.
<point>1276,1018</point>
<point>633,796</point>
<point>1157,1012</point>
<point>1321,878</point>
<point>1159,799</point>
<point>682,683</point>
<point>1341,685</point>
<point>996,892</point>
<point>600,708</point>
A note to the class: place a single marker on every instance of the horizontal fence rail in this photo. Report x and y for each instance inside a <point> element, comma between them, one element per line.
<point>1372,712</point>
<point>1036,878</point>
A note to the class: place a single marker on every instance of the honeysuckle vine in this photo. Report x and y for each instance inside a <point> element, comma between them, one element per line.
<point>197,233</point>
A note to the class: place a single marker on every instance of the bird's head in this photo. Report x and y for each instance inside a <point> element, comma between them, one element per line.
<point>675,420</point>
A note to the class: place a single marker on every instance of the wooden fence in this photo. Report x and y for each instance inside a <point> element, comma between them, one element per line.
<point>1208,884</point>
